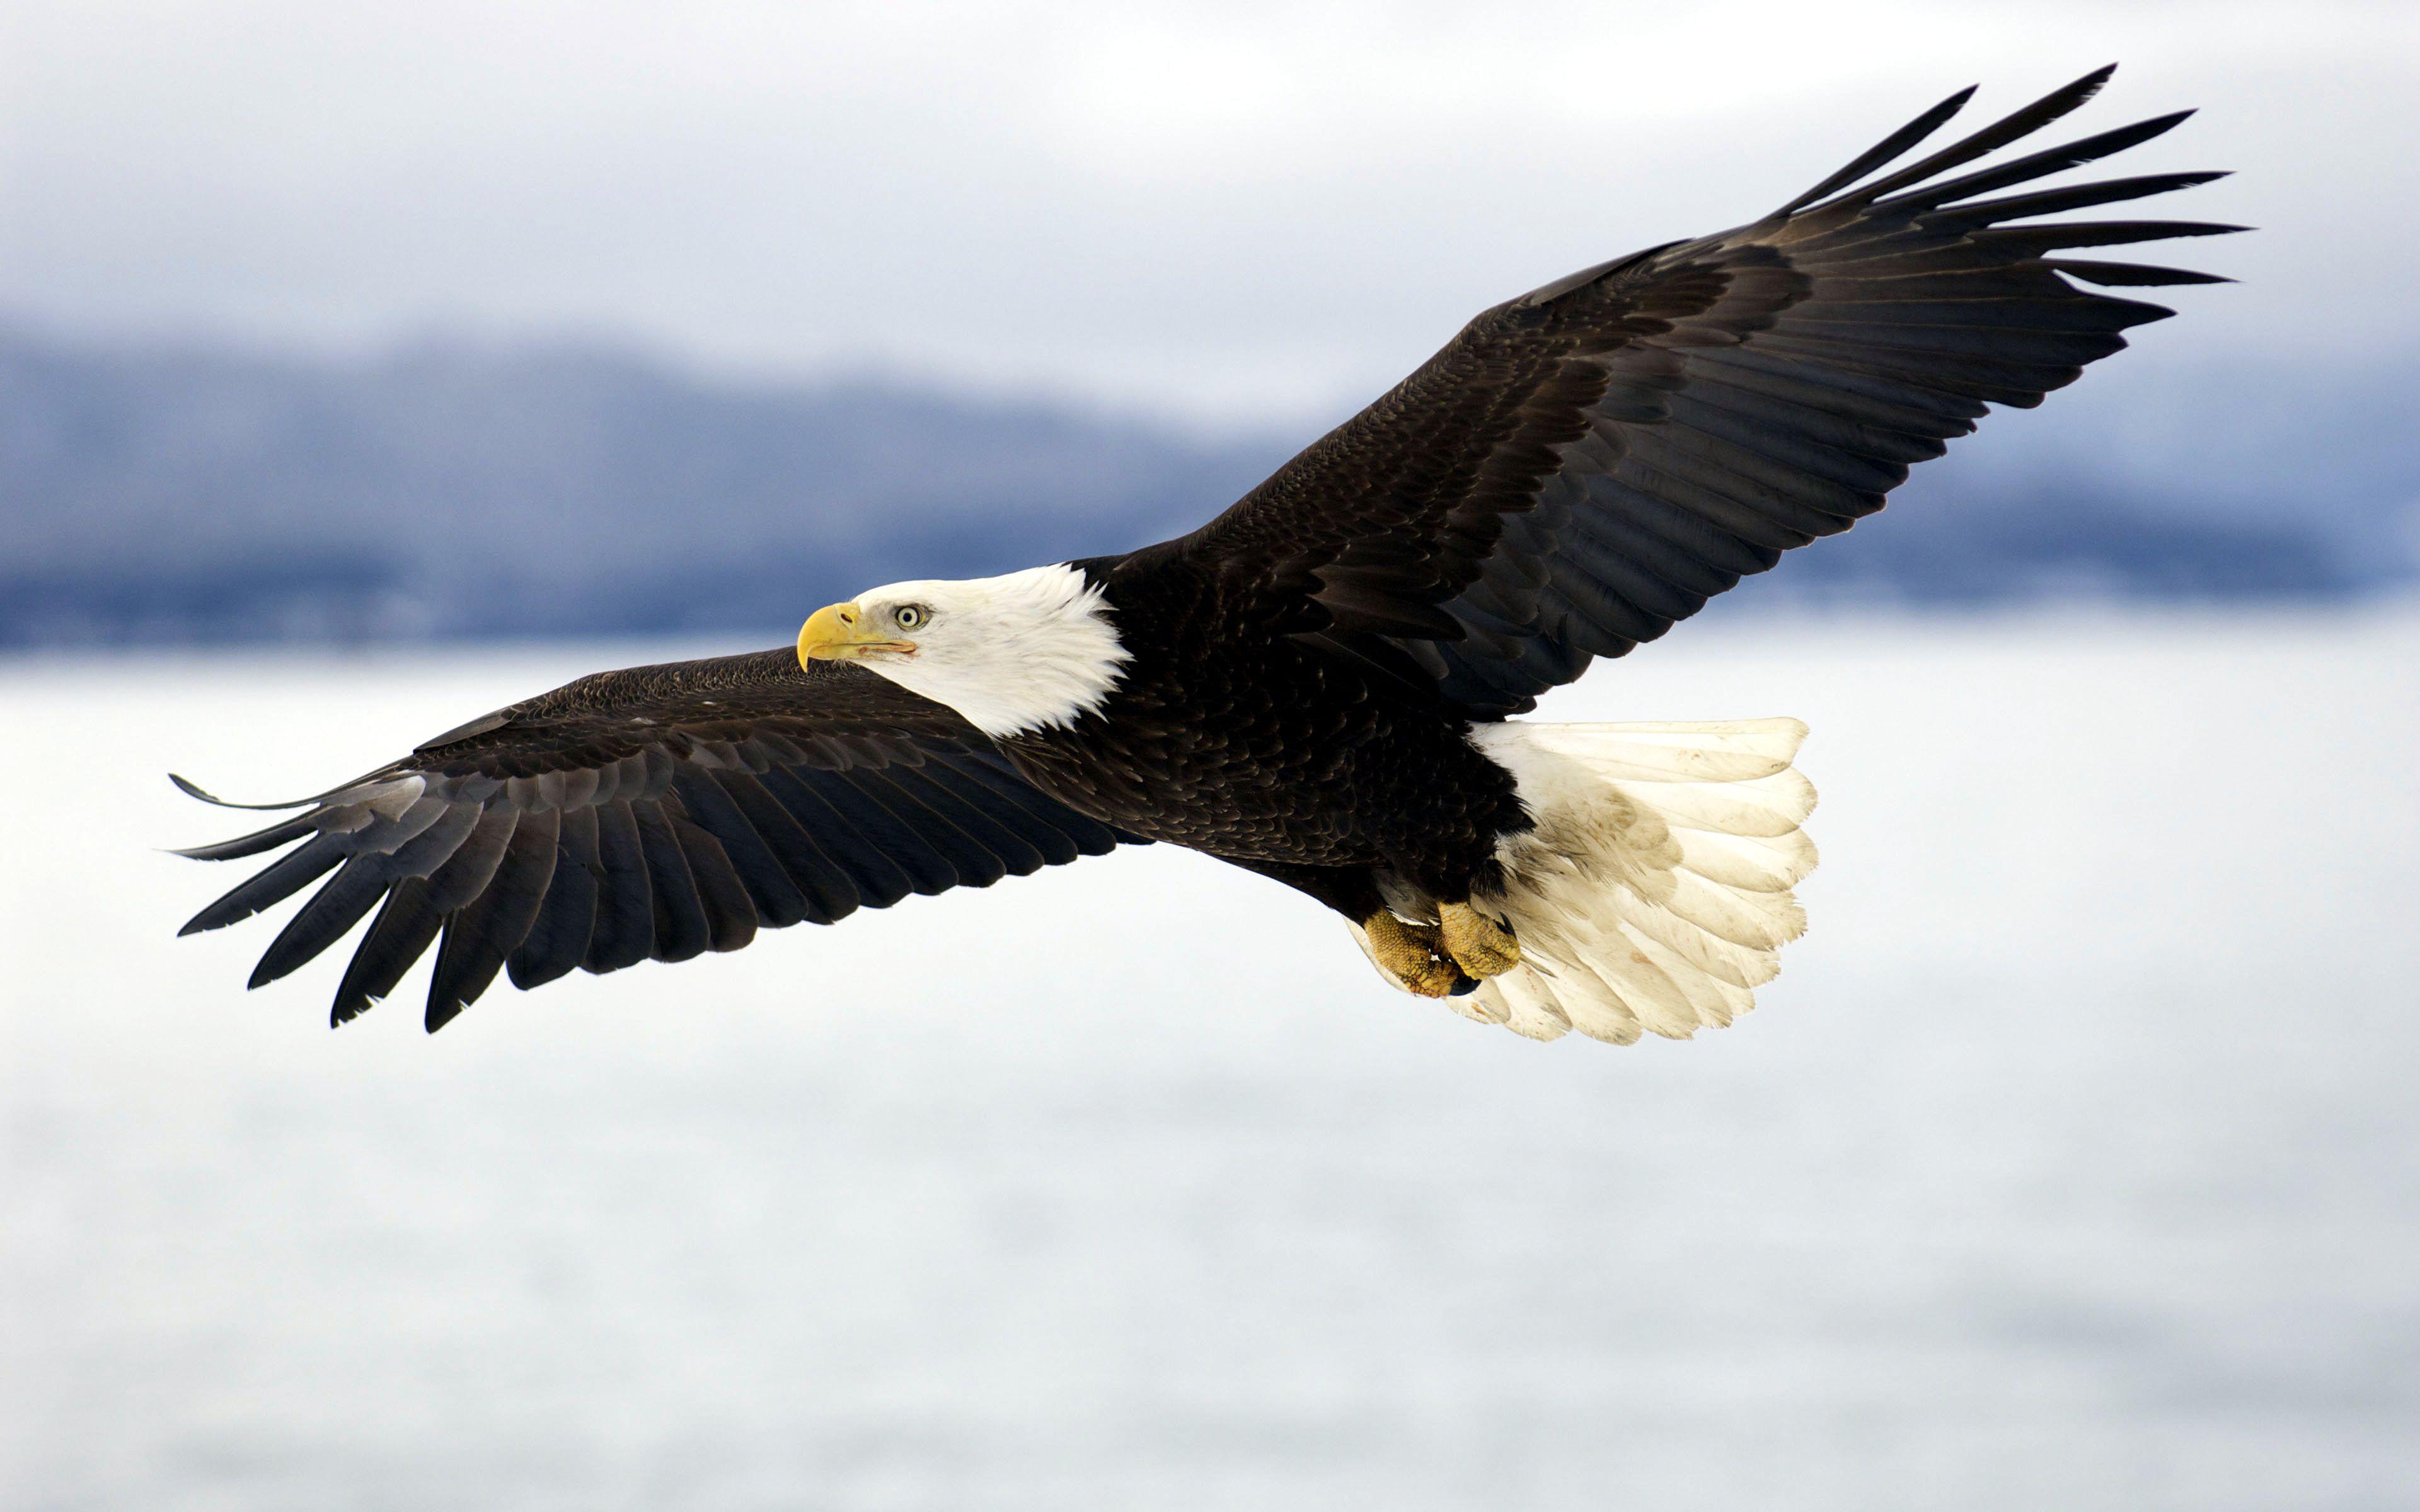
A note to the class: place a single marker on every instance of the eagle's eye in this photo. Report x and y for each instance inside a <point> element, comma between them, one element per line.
<point>908,615</point>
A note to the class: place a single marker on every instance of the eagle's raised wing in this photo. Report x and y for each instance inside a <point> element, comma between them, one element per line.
<point>1585,466</point>
<point>651,813</point>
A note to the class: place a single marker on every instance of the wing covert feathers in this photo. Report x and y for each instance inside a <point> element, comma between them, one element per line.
<point>655,813</point>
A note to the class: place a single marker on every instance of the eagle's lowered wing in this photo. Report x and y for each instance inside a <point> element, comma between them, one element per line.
<point>1587,465</point>
<point>647,814</point>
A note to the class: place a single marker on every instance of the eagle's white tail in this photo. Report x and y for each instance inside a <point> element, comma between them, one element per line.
<point>1655,892</point>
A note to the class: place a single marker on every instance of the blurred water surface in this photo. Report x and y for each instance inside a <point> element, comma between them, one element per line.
<point>2073,1163</point>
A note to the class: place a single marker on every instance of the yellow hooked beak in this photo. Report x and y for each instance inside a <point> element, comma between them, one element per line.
<point>831,633</point>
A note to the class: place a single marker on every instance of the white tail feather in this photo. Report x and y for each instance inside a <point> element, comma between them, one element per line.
<point>1655,892</point>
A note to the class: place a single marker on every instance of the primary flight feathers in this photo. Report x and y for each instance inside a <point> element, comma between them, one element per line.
<point>1575,472</point>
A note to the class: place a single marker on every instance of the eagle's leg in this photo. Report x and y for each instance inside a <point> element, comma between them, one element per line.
<point>1479,945</point>
<point>1410,954</point>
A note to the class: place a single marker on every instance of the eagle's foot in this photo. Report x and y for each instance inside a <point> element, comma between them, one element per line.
<point>1410,953</point>
<point>1476,943</point>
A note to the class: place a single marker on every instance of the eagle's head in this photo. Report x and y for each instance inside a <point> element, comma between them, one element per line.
<point>1025,652</point>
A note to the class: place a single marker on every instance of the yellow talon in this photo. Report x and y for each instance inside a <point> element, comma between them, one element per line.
<point>1479,945</point>
<point>1408,953</point>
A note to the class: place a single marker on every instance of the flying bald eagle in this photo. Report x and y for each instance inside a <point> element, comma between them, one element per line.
<point>1319,685</point>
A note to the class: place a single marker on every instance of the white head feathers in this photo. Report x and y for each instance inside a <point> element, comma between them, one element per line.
<point>1028,651</point>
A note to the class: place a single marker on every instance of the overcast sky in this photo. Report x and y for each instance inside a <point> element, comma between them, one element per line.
<point>1223,212</point>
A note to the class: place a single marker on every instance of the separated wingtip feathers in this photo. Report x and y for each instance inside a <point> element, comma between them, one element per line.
<point>2082,88</point>
<point>281,833</point>
<point>2127,275</point>
<point>2017,123</point>
<point>1882,153</point>
<point>193,790</point>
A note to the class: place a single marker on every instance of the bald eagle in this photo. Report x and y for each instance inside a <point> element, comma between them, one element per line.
<point>1319,685</point>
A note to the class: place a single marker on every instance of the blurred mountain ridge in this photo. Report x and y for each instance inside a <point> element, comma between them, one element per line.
<point>159,492</point>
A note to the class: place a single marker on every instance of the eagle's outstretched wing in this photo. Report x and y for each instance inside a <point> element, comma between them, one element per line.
<point>1584,466</point>
<point>651,813</point>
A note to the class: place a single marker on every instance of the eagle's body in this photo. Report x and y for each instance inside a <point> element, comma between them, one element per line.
<point>1321,685</point>
<point>1247,743</point>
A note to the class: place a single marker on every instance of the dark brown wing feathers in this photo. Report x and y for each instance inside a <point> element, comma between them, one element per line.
<point>1584,466</point>
<point>1575,472</point>
<point>654,813</point>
